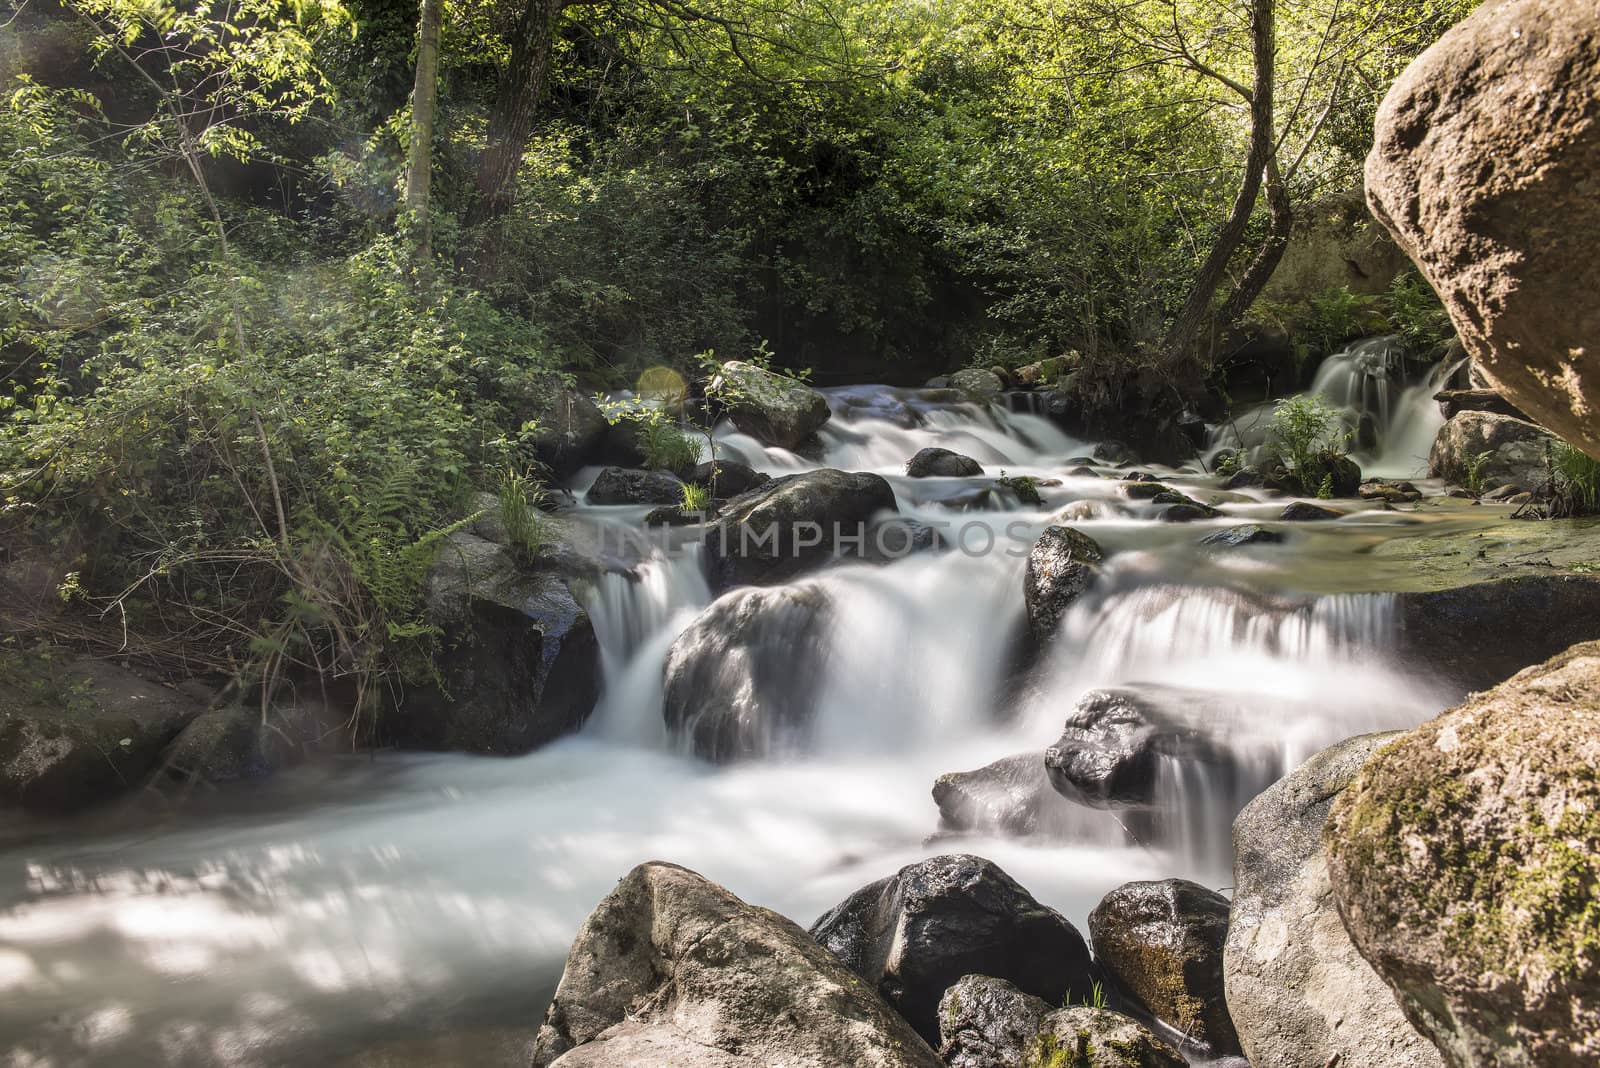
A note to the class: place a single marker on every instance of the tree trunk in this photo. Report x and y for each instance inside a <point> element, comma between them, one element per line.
<point>1179,349</point>
<point>516,104</point>
<point>1280,225</point>
<point>424,106</point>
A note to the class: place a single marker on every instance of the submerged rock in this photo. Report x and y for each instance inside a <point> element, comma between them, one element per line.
<point>1061,567</point>
<point>1464,862</point>
<point>1305,512</point>
<point>1502,448</point>
<point>1483,166</point>
<point>1162,942</point>
<point>622,485</point>
<point>519,660</point>
<point>671,969</point>
<point>1084,1037</point>
<point>75,731</point>
<point>1110,751</point>
<point>988,1023</point>
<point>742,679</point>
<point>772,408</point>
<point>1298,992</point>
<point>796,524</point>
<point>1249,534</point>
<point>914,934</point>
<point>942,463</point>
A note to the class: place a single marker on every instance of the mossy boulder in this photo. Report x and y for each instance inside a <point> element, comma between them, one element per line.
<point>75,730</point>
<point>1084,1037</point>
<point>1465,860</point>
<point>772,408</point>
<point>1162,942</point>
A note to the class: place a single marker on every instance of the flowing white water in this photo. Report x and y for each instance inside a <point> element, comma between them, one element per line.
<point>339,909</point>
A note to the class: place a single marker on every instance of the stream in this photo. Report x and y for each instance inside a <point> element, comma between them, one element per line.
<point>350,912</point>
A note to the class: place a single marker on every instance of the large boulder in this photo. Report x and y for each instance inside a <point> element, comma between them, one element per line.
<point>942,463</point>
<point>1162,942</point>
<point>1465,860</point>
<point>570,430</point>
<point>673,970</point>
<point>772,408</point>
<point>795,524</point>
<point>1334,246</point>
<point>1505,450</point>
<point>1085,1037</point>
<point>1299,993</point>
<point>742,679</point>
<point>623,485</point>
<point>915,933</point>
<point>1061,567</point>
<point>987,1023</point>
<point>1483,168</point>
<point>519,662</point>
<point>1113,744</point>
<point>1472,637</point>
<point>75,730</point>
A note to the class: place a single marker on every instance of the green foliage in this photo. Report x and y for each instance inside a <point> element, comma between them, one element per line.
<point>1305,436</point>
<point>666,448</point>
<point>1575,481</point>
<point>1413,311</point>
<point>518,499</point>
<point>696,499</point>
<point>1096,998</point>
<point>1472,479</point>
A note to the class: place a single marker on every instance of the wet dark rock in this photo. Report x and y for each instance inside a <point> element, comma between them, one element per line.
<point>519,659</point>
<point>1144,491</point>
<point>942,463</point>
<point>673,970</point>
<point>671,515</point>
<point>1187,512</point>
<point>988,1023</point>
<point>1452,402</point>
<point>1083,1037</point>
<point>76,731</point>
<point>741,680</point>
<point>1114,452</point>
<point>726,479</point>
<point>222,746</point>
<point>1162,942</point>
<point>1462,859</point>
<point>793,525</point>
<point>1305,512</point>
<point>1061,567</point>
<point>1298,992</point>
<point>1248,534</point>
<point>1083,472</point>
<point>1475,636</point>
<point>1111,747</point>
<point>572,431</point>
<point>1392,492</point>
<point>621,485</point>
<point>772,408</point>
<point>1245,478</point>
<point>916,933</point>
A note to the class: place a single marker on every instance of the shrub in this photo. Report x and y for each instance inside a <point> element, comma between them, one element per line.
<point>1575,481</point>
<point>1307,437</point>
<point>696,499</point>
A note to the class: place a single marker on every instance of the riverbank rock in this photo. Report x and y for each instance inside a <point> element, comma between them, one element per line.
<point>221,746</point>
<point>622,485</point>
<point>1505,450</point>
<point>1061,567</point>
<point>942,463</point>
<point>774,409</point>
<point>795,524</point>
<point>977,382</point>
<point>987,1023</point>
<point>1465,859</point>
<point>914,934</point>
<point>671,969</point>
<point>1299,994</point>
<point>1475,636</point>
<point>1306,512</point>
<point>571,431</point>
<point>726,479</point>
<point>1112,745</point>
<point>742,679</point>
<point>75,731</point>
<point>1452,402</point>
<point>1162,942</point>
<point>1084,1037</point>
<point>519,659</point>
<point>1483,168</point>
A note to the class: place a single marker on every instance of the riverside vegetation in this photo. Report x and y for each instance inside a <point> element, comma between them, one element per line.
<point>748,415</point>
